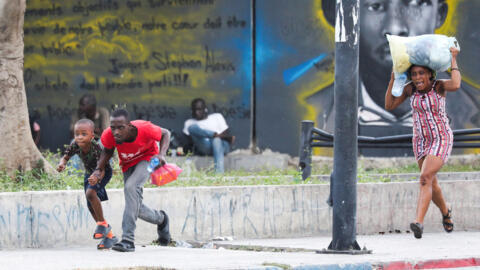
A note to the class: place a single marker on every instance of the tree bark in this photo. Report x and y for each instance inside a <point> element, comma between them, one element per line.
<point>17,149</point>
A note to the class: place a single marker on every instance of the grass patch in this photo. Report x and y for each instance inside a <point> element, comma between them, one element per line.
<point>35,179</point>
<point>72,179</point>
<point>413,168</point>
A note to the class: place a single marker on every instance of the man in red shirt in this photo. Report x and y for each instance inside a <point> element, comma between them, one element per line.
<point>136,143</point>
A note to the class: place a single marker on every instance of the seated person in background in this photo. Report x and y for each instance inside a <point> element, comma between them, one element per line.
<point>34,126</point>
<point>180,143</point>
<point>87,108</point>
<point>209,133</point>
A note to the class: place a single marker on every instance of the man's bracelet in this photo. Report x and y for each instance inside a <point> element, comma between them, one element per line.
<point>455,69</point>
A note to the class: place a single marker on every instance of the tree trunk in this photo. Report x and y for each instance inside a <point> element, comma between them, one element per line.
<point>17,149</point>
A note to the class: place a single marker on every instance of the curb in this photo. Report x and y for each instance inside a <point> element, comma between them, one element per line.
<point>356,266</point>
<point>429,264</point>
<point>398,265</point>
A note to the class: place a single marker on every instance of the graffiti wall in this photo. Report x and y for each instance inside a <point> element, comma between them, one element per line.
<point>156,55</point>
<point>153,56</point>
<point>61,218</point>
<point>295,71</point>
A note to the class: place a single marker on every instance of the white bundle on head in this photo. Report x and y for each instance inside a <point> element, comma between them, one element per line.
<point>432,51</point>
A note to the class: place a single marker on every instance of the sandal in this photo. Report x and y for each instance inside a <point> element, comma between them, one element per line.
<point>101,231</point>
<point>107,243</point>
<point>417,229</point>
<point>448,226</point>
<point>124,246</point>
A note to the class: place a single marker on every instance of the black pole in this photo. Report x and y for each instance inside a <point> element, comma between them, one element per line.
<point>305,152</point>
<point>344,185</point>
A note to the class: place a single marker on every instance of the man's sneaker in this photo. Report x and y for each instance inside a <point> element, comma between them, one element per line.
<point>124,246</point>
<point>163,231</point>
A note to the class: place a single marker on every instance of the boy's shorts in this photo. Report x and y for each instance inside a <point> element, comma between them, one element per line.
<point>99,187</point>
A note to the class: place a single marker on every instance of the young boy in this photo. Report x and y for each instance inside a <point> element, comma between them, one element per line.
<point>89,151</point>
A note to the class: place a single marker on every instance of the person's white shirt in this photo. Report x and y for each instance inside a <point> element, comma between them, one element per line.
<point>214,122</point>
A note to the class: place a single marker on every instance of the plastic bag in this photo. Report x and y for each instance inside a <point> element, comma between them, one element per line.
<point>432,51</point>
<point>165,174</point>
<point>398,50</point>
<point>399,83</point>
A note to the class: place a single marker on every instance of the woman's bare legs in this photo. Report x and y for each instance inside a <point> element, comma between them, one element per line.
<point>429,187</point>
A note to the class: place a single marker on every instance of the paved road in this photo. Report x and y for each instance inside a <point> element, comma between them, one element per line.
<point>459,249</point>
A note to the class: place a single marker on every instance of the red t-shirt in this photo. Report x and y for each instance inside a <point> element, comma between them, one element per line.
<point>143,148</point>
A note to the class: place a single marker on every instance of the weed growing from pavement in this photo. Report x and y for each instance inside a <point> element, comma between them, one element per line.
<point>73,179</point>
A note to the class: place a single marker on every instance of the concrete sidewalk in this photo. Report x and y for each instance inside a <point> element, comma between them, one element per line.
<point>390,251</point>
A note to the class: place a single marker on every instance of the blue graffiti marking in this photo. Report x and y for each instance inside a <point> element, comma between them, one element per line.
<point>247,199</point>
<point>293,73</point>
<point>217,197</point>
<point>6,231</point>
<point>56,211</point>
<point>40,225</point>
<point>232,208</point>
<point>192,214</point>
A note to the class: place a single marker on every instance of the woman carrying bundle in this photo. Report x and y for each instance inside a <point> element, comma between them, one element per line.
<point>432,137</point>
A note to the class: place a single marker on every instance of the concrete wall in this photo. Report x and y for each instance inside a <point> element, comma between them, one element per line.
<point>237,160</point>
<point>58,218</point>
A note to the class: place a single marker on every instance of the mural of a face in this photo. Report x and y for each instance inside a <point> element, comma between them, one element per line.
<point>381,17</point>
<point>394,17</point>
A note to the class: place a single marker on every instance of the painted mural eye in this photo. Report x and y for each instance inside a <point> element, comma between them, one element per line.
<point>376,6</point>
<point>420,3</point>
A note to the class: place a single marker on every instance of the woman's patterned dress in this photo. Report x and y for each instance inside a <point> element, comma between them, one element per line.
<point>431,132</point>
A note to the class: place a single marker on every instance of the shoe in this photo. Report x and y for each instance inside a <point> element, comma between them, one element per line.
<point>124,246</point>
<point>107,243</point>
<point>163,231</point>
<point>101,231</point>
<point>417,229</point>
<point>448,226</point>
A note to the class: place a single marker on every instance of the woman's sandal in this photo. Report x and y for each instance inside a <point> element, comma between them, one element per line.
<point>448,226</point>
<point>417,229</point>
<point>101,231</point>
<point>107,243</point>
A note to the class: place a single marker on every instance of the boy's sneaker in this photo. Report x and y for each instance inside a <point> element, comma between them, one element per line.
<point>124,246</point>
<point>107,243</point>
<point>101,231</point>
<point>163,231</point>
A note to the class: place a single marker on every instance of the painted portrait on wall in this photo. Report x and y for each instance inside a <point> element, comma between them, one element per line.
<point>378,18</point>
<point>401,18</point>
